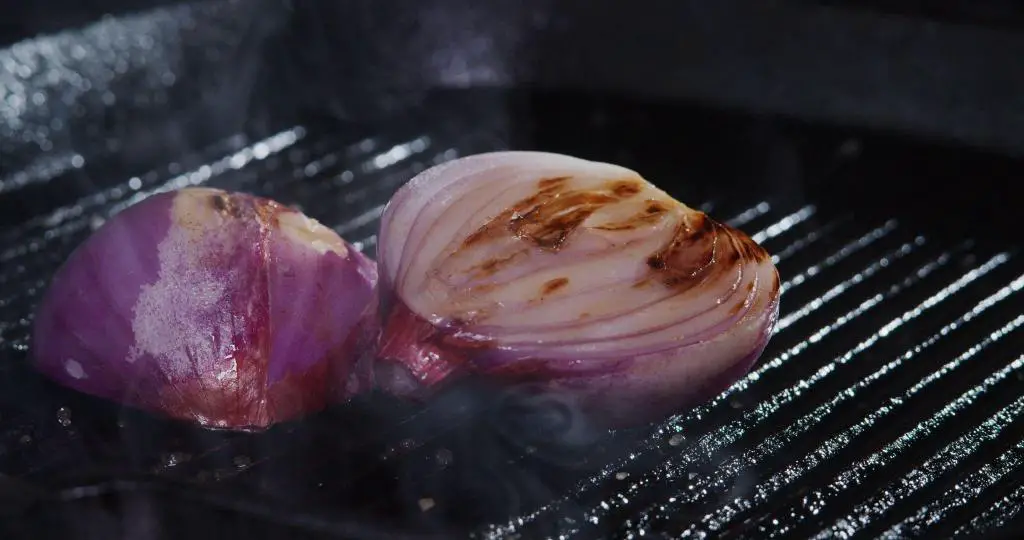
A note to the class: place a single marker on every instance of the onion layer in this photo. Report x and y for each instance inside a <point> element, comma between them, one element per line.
<point>224,309</point>
<point>578,276</point>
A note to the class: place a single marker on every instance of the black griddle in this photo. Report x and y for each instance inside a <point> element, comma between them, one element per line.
<point>888,404</point>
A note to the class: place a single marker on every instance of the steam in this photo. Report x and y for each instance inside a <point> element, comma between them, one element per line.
<point>132,90</point>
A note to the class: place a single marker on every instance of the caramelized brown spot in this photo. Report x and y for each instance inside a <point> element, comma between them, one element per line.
<point>548,224</point>
<point>268,211</point>
<point>738,307</point>
<point>499,224</point>
<point>655,207</point>
<point>745,246</point>
<point>584,315</point>
<point>682,262</point>
<point>700,246</point>
<point>547,217</point>
<point>548,184</point>
<point>703,227</point>
<point>481,289</point>
<point>225,205</point>
<point>750,286</point>
<point>625,188</point>
<point>675,280</point>
<point>491,266</point>
<point>477,235</point>
<point>554,285</point>
<point>651,213</point>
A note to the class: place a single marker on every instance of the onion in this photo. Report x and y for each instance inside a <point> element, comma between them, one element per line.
<point>228,310</point>
<point>579,277</point>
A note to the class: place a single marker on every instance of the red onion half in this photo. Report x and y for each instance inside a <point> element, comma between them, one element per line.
<point>579,276</point>
<point>225,309</point>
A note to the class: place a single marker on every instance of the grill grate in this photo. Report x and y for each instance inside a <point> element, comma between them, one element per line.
<point>887,403</point>
<point>707,470</point>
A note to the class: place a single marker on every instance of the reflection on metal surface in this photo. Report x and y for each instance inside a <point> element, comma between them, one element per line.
<point>842,287</point>
<point>961,494</point>
<point>253,152</point>
<point>709,445</point>
<point>794,473</point>
<point>835,258</point>
<point>747,215</point>
<point>842,321</point>
<point>43,171</point>
<point>784,224</point>
<point>806,241</point>
<point>724,472</point>
<point>362,220</point>
<point>999,514</point>
<point>943,461</point>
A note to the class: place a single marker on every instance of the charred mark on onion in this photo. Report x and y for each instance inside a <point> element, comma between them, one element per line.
<point>547,217</point>
<point>493,265</point>
<point>549,184</point>
<point>625,188</point>
<point>690,251</point>
<point>651,214</point>
<point>553,285</point>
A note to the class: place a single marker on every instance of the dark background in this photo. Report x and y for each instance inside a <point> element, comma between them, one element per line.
<point>25,19</point>
<point>945,69</point>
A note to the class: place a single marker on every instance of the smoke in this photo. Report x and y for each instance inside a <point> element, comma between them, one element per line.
<point>125,93</point>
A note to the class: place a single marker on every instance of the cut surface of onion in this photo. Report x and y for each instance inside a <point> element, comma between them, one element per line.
<point>220,308</point>
<point>575,275</point>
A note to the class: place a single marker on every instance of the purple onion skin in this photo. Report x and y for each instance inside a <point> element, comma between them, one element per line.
<point>223,309</point>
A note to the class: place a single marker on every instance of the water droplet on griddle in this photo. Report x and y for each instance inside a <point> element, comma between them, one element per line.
<point>242,461</point>
<point>444,457</point>
<point>174,458</point>
<point>64,416</point>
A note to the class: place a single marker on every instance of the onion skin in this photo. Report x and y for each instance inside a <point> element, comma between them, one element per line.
<point>579,277</point>
<point>227,310</point>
